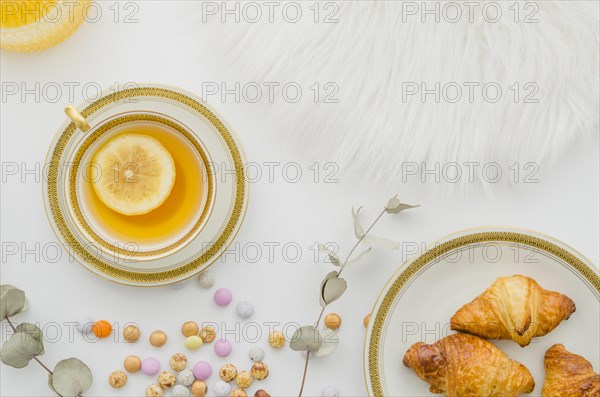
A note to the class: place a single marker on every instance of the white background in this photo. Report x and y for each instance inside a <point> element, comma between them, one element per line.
<point>169,45</point>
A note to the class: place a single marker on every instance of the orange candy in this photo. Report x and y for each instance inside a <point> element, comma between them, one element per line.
<point>102,329</point>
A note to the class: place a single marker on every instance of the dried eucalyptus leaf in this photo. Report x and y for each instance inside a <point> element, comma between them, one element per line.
<point>329,275</point>
<point>71,377</point>
<point>50,385</point>
<point>306,338</point>
<point>332,255</point>
<point>333,289</point>
<point>394,206</point>
<point>359,257</point>
<point>33,331</point>
<point>382,242</point>
<point>20,349</point>
<point>330,341</point>
<point>358,230</point>
<point>12,301</point>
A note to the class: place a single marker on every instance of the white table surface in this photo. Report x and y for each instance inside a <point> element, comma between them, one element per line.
<point>564,204</point>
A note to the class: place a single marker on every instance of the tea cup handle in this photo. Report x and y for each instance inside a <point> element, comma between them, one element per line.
<point>77,118</point>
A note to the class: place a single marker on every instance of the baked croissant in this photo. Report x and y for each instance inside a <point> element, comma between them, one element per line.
<point>468,366</point>
<point>514,307</point>
<point>569,375</point>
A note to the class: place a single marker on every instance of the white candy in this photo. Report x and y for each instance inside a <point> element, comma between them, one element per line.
<point>85,324</point>
<point>256,354</point>
<point>186,377</point>
<point>244,309</point>
<point>181,391</point>
<point>330,391</point>
<point>221,388</point>
<point>206,279</point>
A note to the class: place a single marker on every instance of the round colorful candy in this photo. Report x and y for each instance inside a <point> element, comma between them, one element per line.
<point>208,334</point>
<point>193,342</point>
<point>222,388</point>
<point>202,370</point>
<point>190,328</point>
<point>181,391</point>
<point>206,279</point>
<point>131,333</point>
<point>186,377</point>
<point>158,338</point>
<point>333,321</point>
<point>132,364</point>
<point>276,339</point>
<point>199,388</point>
<point>223,296</point>
<point>117,379</point>
<point>102,329</point>
<point>154,391</point>
<point>244,309</point>
<point>256,354</point>
<point>150,366</point>
<point>222,348</point>
<point>85,324</point>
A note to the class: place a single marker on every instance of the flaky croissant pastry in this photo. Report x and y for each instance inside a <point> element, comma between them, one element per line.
<point>569,375</point>
<point>468,366</point>
<point>514,307</point>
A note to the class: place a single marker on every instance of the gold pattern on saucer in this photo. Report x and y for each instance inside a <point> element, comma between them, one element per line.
<point>188,269</point>
<point>106,127</point>
<point>435,254</point>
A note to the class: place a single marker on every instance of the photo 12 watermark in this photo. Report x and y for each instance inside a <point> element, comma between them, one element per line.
<point>270,92</point>
<point>254,172</point>
<point>253,12</point>
<point>52,12</point>
<point>469,92</point>
<point>469,172</point>
<point>453,12</point>
<point>60,92</point>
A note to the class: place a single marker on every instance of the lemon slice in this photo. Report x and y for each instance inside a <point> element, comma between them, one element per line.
<point>31,25</point>
<point>137,174</point>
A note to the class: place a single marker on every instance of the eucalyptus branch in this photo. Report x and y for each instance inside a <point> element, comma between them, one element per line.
<point>309,338</point>
<point>70,377</point>
<point>35,358</point>
<point>361,239</point>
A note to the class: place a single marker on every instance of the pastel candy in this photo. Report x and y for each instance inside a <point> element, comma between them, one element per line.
<point>222,348</point>
<point>150,366</point>
<point>202,370</point>
<point>223,296</point>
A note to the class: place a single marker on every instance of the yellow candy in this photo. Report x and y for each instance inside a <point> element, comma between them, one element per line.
<point>193,342</point>
<point>276,339</point>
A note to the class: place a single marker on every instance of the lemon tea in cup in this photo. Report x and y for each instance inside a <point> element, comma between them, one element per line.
<point>141,183</point>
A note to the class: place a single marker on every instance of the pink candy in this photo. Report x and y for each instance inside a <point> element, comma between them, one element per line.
<point>223,296</point>
<point>222,348</point>
<point>150,366</point>
<point>202,370</point>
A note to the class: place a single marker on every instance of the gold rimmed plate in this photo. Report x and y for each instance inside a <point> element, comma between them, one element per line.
<point>212,228</point>
<point>417,303</point>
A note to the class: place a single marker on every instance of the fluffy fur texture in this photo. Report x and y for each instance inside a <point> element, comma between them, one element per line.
<point>379,50</point>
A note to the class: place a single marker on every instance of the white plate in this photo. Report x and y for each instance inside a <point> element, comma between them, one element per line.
<point>144,266</point>
<point>419,300</point>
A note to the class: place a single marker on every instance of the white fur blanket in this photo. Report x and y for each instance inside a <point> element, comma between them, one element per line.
<point>409,86</point>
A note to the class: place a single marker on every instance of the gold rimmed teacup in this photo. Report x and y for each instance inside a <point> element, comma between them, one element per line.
<point>166,261</point>
<point>166,229</point>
